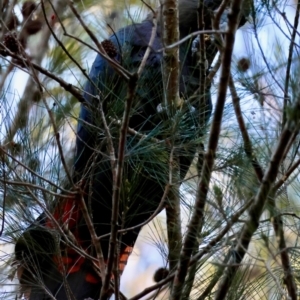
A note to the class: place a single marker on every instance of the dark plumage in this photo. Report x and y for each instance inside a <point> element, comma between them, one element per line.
<point>43,252</point>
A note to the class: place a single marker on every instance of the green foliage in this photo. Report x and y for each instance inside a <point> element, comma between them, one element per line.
<point>33,175</point>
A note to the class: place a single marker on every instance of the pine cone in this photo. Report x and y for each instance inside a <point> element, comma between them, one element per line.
<point>160,274</point>
<point>243,64</point>
<point>28,8</point>
<point>109,48</point>
<point>11,42</point>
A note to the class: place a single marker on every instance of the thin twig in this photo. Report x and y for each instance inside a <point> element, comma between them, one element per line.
<point>115,65</point>
<point>152,288</point>
<point>116,275</point>
<point>283,179</point>
<point>202,116</point>
<point>117,180</point>
<point>231,221</point>
<point>209,78</point>
<point>2,149</point>
<point>70,35</point>
<point>4,196</point>
<point>37,187</point>
<point>149,48</point>
<point>214,279</point>
<point>289,64</point>
<point>58,143</point>
<point>67,86</point>
<point>68,237</point>
<point>155,213</point>
<point>264,57</point>
<point>243,129</point>
<point>283,293</point>
<point>279,25</point>
<point>191,35</point>
<point>61,45</point>
<point>277,222</point>
<point>83,71</point>
<point>110,145</point>
<point>93,234</point>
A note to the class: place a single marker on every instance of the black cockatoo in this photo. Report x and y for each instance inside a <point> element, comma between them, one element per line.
<point>50,267</point>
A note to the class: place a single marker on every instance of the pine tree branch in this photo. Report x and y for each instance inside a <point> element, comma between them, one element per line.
<point>277,222</point>
<point>115,65</point>
<point>61,45</point>
<point>286,98</point>
<point>243,129</point>
<point>32,186</point>
<point>4,195</point>
<point>67,86</point>
<point>202,122</point>
<point>160,207</point>
<point>3,151</point>
<point>231,221</point>
<point>149,48</point>
<point>277,219</point>
<point>255,30</point>
<point>25,103</point>
<point>198,214</point>
<point>214,280</point>
<point>58,143</point>
<point>117,181</point>
<point>285,176</point>
<point>93,234</point>
<point>170,55</point>
<point>68,237</point>
<point>173,213</point>
<point>256,210</point>
<point>170,70</point>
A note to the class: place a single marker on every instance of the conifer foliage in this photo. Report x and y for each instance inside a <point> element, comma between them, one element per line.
<point>94,149</point>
